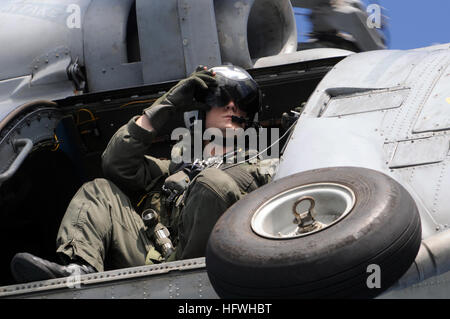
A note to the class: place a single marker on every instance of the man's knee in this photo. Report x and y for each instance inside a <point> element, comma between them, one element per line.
<point>102,190</point>
<point>102,201</point>
<point>221,184</point>
<point>99,186</point>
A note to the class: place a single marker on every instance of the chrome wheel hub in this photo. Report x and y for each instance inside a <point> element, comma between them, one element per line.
<point>303,210</point>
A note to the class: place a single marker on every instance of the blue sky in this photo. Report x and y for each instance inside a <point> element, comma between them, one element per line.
<point>412,23</point>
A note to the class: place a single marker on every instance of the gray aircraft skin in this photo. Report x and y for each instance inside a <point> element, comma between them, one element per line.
<point>73,71</point>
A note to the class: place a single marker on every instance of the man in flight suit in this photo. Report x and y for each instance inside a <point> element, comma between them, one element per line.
<point>102,227</point>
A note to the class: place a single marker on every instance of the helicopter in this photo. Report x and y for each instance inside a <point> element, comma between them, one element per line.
<point>363,168</point>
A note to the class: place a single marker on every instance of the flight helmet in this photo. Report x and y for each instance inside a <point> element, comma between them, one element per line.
<point>234,83</point>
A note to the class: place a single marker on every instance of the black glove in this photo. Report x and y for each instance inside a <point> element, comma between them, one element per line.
<point>180,98</point>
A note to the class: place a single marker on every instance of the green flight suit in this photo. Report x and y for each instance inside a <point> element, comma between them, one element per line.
<point>102,224</point>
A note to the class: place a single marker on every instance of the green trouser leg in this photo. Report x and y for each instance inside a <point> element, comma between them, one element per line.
<point>207,199</point>
<point>102,228</point>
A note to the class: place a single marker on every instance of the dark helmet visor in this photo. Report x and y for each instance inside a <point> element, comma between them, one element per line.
<point>234,84</point>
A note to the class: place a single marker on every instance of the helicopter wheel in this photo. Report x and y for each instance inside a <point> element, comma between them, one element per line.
<point>342,232</point>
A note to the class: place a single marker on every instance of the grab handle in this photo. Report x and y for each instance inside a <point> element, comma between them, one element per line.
<point>27,146</point>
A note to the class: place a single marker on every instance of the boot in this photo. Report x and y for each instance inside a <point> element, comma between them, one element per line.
<point>26,268</point>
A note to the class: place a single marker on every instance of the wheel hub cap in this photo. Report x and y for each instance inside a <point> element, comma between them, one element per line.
<point>303,210</point>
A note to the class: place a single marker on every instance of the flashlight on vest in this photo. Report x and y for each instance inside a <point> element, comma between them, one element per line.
<point>158,232</point>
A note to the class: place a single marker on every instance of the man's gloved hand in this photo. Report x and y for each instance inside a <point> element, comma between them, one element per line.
<point>180,98</point>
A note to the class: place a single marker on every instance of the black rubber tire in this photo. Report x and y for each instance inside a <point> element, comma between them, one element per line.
<point>383,228</point>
